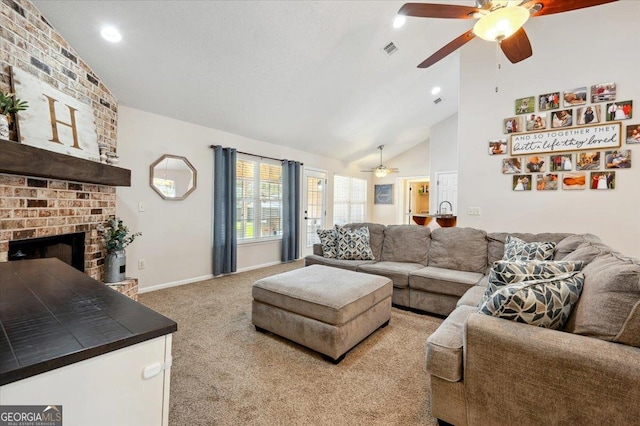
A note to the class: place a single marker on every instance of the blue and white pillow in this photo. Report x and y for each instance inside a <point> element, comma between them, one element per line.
<point>354,244</point>
<point>517,249</point>
<point>329,241</point>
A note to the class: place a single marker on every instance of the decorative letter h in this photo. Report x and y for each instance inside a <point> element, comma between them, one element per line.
<point>54,123</point>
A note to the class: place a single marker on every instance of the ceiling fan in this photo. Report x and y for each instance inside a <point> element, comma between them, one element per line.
<point>382,170</point>
<point>498,20</point>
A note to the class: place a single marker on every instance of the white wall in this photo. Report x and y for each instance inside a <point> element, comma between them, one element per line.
<point>443,153</point>
<point>413,162</point>
<point>176,235</point>
<point>571,49</point>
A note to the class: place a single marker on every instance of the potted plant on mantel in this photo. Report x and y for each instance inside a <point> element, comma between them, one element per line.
<point>9,105</point>
<point>116,237</point>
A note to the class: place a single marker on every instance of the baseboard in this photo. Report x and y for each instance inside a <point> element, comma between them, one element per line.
<point>201,278</point>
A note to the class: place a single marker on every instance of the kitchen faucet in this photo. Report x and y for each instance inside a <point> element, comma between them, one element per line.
<point>440,206</point>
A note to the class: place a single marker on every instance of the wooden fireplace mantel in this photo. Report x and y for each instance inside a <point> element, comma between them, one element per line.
<point>21,159</point>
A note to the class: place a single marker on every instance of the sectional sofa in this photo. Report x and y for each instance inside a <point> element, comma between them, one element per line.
<point>491,371</point>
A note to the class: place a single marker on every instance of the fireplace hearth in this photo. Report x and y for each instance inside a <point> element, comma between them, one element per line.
<point>67,247</point>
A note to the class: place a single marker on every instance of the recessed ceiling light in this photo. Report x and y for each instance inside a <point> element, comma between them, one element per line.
<point>399,21</point>
<point>435,90</point>
<point>111,34</point>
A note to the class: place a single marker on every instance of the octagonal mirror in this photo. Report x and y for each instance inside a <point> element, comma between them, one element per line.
<point>172,177</point>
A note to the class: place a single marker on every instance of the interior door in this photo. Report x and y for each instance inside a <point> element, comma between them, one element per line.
<point>314,208</point>
<point>447,191</point>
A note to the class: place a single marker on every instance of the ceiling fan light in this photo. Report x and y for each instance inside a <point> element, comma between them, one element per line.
<point>380,172</point>
<point>501,23</point>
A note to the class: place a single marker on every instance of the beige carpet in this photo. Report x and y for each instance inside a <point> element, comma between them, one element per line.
<point>226,373</point>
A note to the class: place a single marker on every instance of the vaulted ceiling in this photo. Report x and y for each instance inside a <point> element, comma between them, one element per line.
<point>311,75</point>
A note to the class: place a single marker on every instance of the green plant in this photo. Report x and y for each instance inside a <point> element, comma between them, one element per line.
<point>115,235</point>
<point>9,104</point>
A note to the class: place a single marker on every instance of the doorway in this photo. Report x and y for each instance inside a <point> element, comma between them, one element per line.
<point>413,198</point>
<point>447,190</point>
<point>313,207</point>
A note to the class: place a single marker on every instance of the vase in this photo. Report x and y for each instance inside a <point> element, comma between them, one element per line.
<point>4,127</point>
<point>115,265</point>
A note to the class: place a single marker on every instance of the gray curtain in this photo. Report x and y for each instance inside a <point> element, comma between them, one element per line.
<point>290,210</point>
<point>224,210</point>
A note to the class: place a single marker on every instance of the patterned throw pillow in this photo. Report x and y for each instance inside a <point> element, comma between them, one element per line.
<point>354,245</point>
<point>329,241</point>
<point>517,249</point>
<point>543,303</point>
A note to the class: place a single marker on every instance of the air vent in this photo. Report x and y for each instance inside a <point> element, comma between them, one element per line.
<point>437,101</point>
<point>390,49</point>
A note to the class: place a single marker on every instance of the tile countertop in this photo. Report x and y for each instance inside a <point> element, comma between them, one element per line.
<point>52,315</point>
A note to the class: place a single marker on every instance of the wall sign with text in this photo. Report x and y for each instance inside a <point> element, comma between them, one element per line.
<point>54,120</point>
<point>597,136</point>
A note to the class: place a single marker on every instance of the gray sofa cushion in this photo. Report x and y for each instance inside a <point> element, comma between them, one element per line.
<point>406,243</point>
<point>330,295</point>
<point>571,243</point>
<point>461,249</point>
<point>497,240</point>
<point>588,251</point>
<point>443,281</point>
<point>609,308</point>
<point>351,265</point>
<point>376,236</point>
<point>473,296</point>
<point>398,272</point>
<point>445,345</point>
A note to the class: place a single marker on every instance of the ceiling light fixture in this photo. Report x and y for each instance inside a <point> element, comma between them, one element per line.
<point>380,171</point>
<point>399,21</point>
<point>501,23</point>
<point>111,34</point>
<point>435,90</point>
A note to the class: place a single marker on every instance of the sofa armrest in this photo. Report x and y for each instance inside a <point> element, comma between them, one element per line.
<point>520,374</point>
<point>317,249</point>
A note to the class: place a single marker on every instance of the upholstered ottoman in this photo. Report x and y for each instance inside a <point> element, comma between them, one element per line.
<point>329,310</point>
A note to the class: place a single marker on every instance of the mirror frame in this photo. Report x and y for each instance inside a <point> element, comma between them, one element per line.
<point>175,157</point>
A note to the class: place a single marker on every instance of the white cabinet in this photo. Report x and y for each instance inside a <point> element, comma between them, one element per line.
<point>105,390</point>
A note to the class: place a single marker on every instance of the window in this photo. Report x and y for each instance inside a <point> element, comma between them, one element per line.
<point>349,200</point>
<point>258,200</point>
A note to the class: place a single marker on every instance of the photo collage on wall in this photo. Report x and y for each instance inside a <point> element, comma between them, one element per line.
<point>573,108</point>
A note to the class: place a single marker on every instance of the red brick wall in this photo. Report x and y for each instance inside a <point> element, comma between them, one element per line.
<point>36,207</point>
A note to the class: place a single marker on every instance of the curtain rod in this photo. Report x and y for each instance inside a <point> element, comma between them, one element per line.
<point>255,155</point>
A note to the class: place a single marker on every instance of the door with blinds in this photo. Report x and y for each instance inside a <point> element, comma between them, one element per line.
<point>314,208</point>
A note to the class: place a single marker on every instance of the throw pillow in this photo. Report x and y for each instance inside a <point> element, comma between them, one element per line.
<point>504,273</point>
<point>354,244</point>
<point>329,241</point>
<point>543,303</point>
<point>517,249</point>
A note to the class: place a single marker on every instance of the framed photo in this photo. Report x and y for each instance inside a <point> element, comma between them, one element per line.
<point>633,133</point>
<point>548,182</point>
<point>522,183</point>
<point>512,125</point>
<point>619,110</point>
<point>604,92</point>
<point>562,118</point>
<point>535,164</point>
<point>618,159</point>
<point>577,96</point>
<point>574,180</point>
<point>589,160</point>
<point>526,105</point>
<point>549,101</point>
<point>588,115</point>
<point>603,180</point>
<point>498,147</point>
<point>536,121</point>
<point>383,194</point>
<point>561,162</point>
<point>511,166</point>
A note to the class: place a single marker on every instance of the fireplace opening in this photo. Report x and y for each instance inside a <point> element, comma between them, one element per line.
<point>67,247</point>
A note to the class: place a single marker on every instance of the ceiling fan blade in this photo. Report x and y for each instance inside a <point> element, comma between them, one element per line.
<point>517,47</point>
<point>426,10</point>
<point>448,49</point>
<point>366,171</point>
<point>550,7</point>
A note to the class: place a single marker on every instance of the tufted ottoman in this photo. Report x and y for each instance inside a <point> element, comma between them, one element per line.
<point>329,310</point>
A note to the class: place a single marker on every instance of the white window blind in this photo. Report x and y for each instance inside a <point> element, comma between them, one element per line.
<point>258,199</point>
<point>349,200</point>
